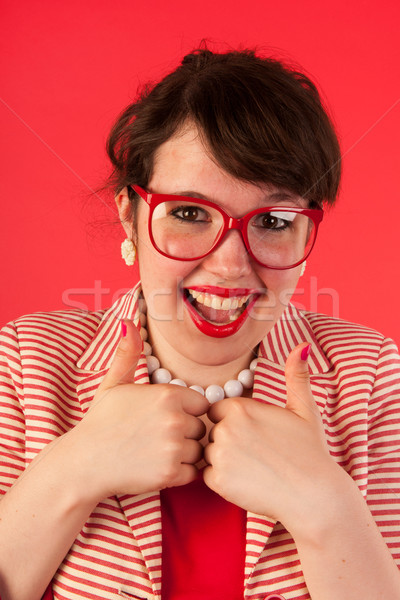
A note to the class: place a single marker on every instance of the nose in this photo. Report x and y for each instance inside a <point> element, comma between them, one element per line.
<point>230,259</point>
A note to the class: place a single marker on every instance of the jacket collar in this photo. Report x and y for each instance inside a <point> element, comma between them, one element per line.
<point>100,351</point>
<point>292,329</point>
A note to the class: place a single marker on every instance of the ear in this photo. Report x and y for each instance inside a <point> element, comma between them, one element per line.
<point>124,207</point>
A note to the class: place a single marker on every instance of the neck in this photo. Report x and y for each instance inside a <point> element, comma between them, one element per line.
<point>194,372</point>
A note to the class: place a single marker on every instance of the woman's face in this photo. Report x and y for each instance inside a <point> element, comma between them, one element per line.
<point>183,166</point>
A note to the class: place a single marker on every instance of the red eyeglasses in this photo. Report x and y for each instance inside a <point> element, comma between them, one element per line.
<point>186,228</point>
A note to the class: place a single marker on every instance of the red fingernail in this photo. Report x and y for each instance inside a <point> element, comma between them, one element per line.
<point>305,353</point>
<point>124,329</point>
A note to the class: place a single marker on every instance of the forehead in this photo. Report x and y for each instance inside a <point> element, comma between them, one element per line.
<point>183,165</point>
<point>184,160</point>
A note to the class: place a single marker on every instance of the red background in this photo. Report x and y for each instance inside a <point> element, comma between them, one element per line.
<point>67,70</point>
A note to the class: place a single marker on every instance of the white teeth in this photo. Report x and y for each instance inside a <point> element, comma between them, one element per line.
<point>218,302</point>
<point>226,304</point>
<point>207,300</point>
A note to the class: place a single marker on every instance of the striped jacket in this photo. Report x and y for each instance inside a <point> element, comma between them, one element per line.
<point>51,365</point>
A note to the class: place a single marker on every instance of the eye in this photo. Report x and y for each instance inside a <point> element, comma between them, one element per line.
<point>191,213</point>
<point>274,220</point>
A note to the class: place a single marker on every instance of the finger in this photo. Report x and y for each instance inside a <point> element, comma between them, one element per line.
<point>212,432</point>
<point>192,452</point>
<point>208,476</point>
<point>218,410</point>
<point>299,396</point>
<point>207,453</point>
<point>194,403</point>
<point>125,360</point>
<point>186,474</point>
<point>194,428</point>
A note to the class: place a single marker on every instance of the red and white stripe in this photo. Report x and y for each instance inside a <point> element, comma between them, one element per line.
<point>51,365</point>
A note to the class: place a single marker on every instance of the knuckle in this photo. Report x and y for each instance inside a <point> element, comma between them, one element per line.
<point>160,395</point>
<point>300,376</point>
<point>238,410</point>
<point>174,422</point>
<point>237,405</point>
<point>121,352</point>
<point>217,481</point>
<point>167,396</point>
<point>169,474</point>
<point>221,433</point>
<point>216,453</point>
<point>201,430</point>
<point>172,450</point>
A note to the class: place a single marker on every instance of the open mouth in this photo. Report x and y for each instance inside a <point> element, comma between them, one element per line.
<point>219,312</point>
<point>217,309</point>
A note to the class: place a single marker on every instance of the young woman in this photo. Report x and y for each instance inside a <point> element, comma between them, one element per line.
<point>270,470</point>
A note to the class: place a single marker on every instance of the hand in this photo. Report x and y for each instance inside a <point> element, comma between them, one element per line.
<point>268,459</point>
<point>138,438</point>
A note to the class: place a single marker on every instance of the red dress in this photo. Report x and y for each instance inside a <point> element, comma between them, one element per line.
<point>203,544</point>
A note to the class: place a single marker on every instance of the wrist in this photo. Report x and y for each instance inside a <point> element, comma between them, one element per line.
<point>73,474</point>
<point>335,499</point>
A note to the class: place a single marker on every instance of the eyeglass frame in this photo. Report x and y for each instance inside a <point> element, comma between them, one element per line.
<point>230,223</point>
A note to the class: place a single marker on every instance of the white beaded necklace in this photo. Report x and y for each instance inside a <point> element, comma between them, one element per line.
<point>213,393</point>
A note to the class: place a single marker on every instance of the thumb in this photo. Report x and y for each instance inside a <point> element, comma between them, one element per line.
<point>299,396</point>
<point>126,358</point>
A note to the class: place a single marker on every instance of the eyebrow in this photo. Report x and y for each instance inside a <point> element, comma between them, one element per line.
<point>283,197</point>
<point>192,195</point>
<point>278,197</point>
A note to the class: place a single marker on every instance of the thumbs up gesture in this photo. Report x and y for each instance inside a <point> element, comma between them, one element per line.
<point>271,460</point>
<point>139,438</point>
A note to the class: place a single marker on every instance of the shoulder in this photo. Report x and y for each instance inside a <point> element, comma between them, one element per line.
<point>65,332</point>
<point>332,327</point>
<point>342,339</point>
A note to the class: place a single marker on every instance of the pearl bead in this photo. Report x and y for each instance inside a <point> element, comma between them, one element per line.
<point>197,388</point>
<point>246,378</point>
<point>152,363</point>
<point>214,393</point>
<point>147,348</point>
<point>161,376</point>
<point>178,382</point>
<point>233,388</point>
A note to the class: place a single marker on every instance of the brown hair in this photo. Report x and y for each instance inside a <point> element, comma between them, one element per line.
<point>261,120</point>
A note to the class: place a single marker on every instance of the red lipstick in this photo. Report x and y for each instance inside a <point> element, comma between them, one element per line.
<point>211,329</point>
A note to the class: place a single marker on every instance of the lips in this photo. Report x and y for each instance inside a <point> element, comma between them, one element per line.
<point>219,312</point>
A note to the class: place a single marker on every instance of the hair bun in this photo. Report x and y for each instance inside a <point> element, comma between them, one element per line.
<point>198,58</point>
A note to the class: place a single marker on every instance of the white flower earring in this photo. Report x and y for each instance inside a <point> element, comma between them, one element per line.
<point>128,252</point>
<point>303,268</point>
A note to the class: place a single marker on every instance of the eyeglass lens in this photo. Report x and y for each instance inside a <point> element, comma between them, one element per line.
<point>278,238</point>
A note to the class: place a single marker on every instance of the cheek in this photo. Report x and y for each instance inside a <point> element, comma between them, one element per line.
<point>161,279</point>
<point>280,286</point>
<point>276,280</point>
